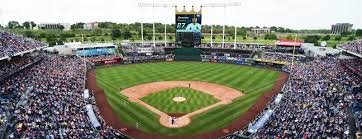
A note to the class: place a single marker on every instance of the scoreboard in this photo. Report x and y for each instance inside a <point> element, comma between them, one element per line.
<point>188,28</point>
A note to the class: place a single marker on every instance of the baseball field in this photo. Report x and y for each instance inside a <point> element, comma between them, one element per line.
<point>194,100</point>
<point>250,81</point>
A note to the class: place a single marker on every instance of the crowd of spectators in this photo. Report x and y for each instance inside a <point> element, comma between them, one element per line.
<point>7,66</point>
<point>107,131</point>
<point>239,46</point>
<point>354,64</point>
<point>136,53</point>
<point>145,58</point>
<point>279,57</point>
<point>353,46</point>
<point>356,108</point>
<point>216,45</point>
<point>11,44</point>
<point>101,58</point>
<point>241,57</point>
<point>49,101</point>
<point>315,102</point>
<point>137,47</point>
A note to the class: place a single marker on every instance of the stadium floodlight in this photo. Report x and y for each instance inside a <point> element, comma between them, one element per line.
<point>165,34</point>
<point>235,37</point>
<point>212,5</point>
<point>224,5</point>
<point>211,35</point>
<point>165,5</point>
<point>155,5</point>
<point>142,33</point>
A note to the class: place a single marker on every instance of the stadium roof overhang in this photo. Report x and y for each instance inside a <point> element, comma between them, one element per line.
<point>352,53</point>
<point>288,44</point>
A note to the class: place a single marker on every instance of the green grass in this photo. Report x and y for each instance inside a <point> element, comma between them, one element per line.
<point>195,100</point>
<point>254,82</point>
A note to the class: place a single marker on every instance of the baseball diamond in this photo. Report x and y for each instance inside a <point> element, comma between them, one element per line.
<point>250,83</point>
<point>161,69</point>
<point>223,94</point>
<point>168,100</point>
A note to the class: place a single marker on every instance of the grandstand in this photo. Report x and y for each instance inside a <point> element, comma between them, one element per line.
<point>97,53</point>
<point>20,89</point>
<point>101,90</point>
<point>36,103</point>
<point>13,45</point>
<point>353,48</point>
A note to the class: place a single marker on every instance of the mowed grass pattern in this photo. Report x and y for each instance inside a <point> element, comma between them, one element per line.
<point>250,80</point>
<point>164,102</point>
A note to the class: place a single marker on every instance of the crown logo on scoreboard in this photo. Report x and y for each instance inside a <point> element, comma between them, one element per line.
<point>188,12</point>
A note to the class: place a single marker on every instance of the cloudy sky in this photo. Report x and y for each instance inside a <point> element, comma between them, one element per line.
<point>295,14</point>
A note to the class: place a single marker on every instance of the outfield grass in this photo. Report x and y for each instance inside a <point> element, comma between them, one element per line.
<point>253,82</point>
<point>195,100</point>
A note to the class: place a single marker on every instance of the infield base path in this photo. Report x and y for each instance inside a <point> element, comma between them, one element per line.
<point>225,94</point>
<point>239,123</point>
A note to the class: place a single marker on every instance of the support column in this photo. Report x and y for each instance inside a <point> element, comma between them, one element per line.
<point>153,24</point>
<point>142,33</point>
<point>223,31</point>
<point>223,36</point>
<point>165,34</point>
<point>211,35</point>
<point>235,37</point>
<point>154,36</point>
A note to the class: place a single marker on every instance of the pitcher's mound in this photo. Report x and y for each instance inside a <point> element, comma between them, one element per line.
<point>179,99</point>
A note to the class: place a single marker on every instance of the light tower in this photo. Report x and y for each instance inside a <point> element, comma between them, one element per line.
<point>168,5</point>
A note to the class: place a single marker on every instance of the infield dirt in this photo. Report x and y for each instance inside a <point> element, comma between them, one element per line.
<point>112,120</point>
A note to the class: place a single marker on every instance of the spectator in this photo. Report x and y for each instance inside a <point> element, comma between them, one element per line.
<point>315,102</point>
<point>11,44</point>
<point>52,106</point>
<point>354,46</point>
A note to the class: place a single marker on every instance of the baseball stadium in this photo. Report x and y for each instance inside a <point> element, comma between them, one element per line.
<point>177,78</point>
<point>143,95</point>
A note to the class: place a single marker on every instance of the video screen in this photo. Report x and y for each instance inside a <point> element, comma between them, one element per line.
<point>89,52</point>
<point>188,29</point>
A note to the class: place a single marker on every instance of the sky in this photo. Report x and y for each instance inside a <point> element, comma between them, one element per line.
<point>294,14</point>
